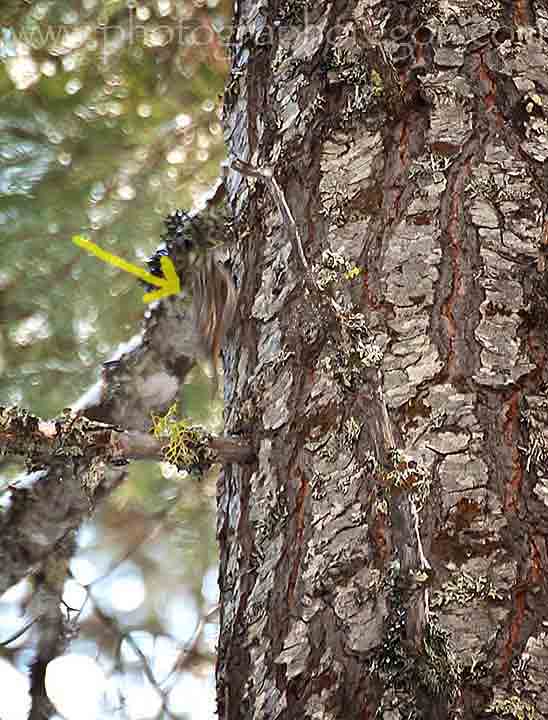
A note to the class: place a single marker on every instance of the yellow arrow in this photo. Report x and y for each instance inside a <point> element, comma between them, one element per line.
<point>169,284</point>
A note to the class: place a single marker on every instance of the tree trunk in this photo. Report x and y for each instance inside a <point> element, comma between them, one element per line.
<point>386,555</point>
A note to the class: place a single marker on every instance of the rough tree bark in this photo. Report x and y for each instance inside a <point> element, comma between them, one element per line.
<point>386,555</point>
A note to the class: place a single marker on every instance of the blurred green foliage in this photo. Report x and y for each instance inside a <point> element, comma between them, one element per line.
<point>109,119</point>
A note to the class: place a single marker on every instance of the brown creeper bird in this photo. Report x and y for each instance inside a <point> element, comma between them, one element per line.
<point>213,307</point>
<point>192,242</point>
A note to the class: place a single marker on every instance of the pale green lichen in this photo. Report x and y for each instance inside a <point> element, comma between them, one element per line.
<point>349,65</point>
<point>464,588</point>
<point>352,429</point>
<point>333,268</point>
<point>348,357</point>
<point>353,273</point>
<point>407,475</point>
<point>512,706</point>
<point>186,446</point>
<point>376,81</point>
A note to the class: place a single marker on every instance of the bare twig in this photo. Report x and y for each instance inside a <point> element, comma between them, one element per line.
<point>42,442</point>
<point>267,175</point>
<point>187,653</point>
<point>17,634</point>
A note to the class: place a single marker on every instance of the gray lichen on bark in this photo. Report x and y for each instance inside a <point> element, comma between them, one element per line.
<point>415,151</point>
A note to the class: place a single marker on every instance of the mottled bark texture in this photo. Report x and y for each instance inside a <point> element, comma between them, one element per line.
<point>386,554</point>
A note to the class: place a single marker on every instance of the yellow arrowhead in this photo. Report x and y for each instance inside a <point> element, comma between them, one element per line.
<point>168,285</point>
